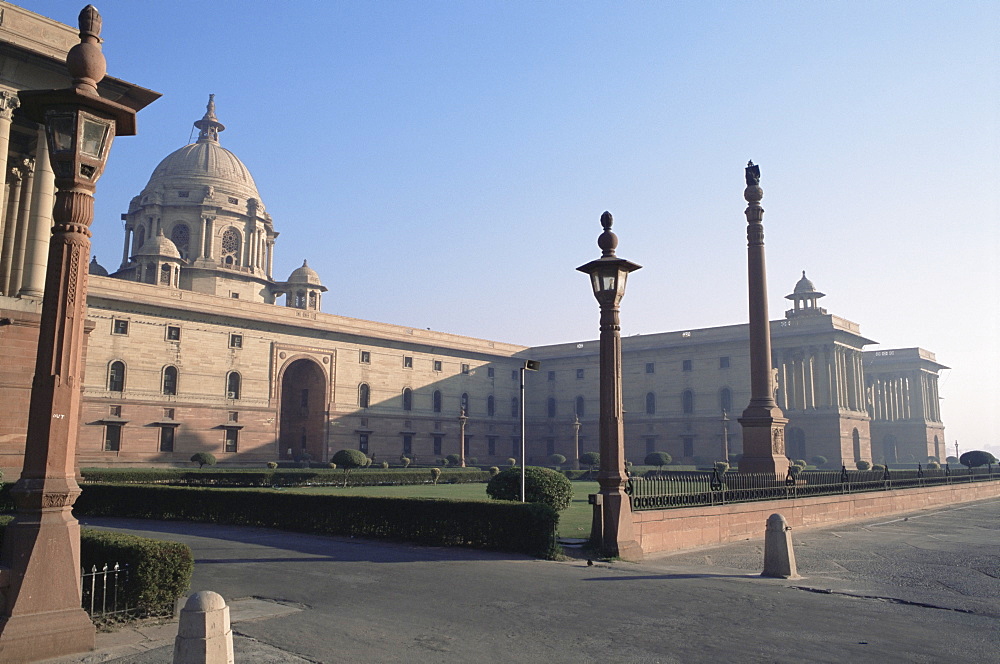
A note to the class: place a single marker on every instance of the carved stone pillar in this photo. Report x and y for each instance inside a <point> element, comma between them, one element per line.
<point>21,229</point>
<point>10,233</point>
<point>8,103</point>
<point>40,223</point>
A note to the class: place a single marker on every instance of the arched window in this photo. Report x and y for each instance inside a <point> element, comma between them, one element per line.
<point>150,273</point>
<point>491,406</point>
<point>552,407</point>
<point>407,399</point>
<point>856,438</point>
<point>140,239</point>
<point>465,403</point>
<point>650,403</point>
<point>437,401</point>
<point>231,246</point>
<point>300,299</point>
<point>313,300</point>
<point>726,400</point>
<point>364,395</point>
<point>181,237</point>
<point>513,407</point>
<point>579,406</point>
<point>687,402</point>
<point>233,385</point>
<point>116,377</point>
<point>165,274</point>
<point>170,381</point>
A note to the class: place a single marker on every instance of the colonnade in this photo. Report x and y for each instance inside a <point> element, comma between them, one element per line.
<point>828,376</point>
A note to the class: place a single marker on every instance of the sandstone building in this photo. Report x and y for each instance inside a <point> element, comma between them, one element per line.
<point>194,345</point>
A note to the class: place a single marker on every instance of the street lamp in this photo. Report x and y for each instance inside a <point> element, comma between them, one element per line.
<point>41,613</point>
<point>529,365</point>
<point>607,277</point>
<point>725,436</point>
<point>462,419</point>
<point>576,441</point>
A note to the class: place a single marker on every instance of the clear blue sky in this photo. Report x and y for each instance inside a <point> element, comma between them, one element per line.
<point>445,164</point>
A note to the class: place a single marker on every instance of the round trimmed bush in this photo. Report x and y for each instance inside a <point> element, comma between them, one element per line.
<point>541,485</point>
<point>976,458</point>
<point>722,467</point>
<point>348,459</point>
<point>203,459</point>
<point>952,459</point>
<point>272,464</point>
<point>863,465</point>
<point>435,474</point>
<point>405,461</point>
<point>494,471</point>
<point>933,465</point>
<point>818,460</point>
<point>557,459</point>
<point>511,461</point>
<point>879,467</point>
<point>658,459</point>
<point>592,459</point>
<point>385,464</point>
<point>453,459</point>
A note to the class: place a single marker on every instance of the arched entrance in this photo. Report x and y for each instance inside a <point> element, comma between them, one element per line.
<point>303,412</point>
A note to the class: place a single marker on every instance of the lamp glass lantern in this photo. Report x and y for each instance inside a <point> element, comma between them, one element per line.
<point>79,143</point>
<point>608,276</point>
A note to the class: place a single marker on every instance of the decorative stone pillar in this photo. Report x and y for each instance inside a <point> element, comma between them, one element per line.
<point>10,232</point>
<point>763,422</point>
<point>21,229</point>
<point>8,103</point>
<point>40,223</point>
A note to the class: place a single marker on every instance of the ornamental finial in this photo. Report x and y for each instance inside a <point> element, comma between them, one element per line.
<point>753,174</point>
<point>85,61</point>
<point>607,241</point>
<point>209,125</point>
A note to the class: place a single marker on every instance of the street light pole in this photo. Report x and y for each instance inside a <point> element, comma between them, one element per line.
<point>529,365</point>
<point>576,442</point>
<point>462,419</point>
<point>41,610</point>
<point>608,275</point>
<point>725,436</point>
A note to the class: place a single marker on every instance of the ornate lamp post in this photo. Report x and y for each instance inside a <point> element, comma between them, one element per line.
<point>725,436</point>
<point>607,276</point>
<point>763,422</point>
<point>576,442</point>
<point>41,612</point>
<point>462,419</point>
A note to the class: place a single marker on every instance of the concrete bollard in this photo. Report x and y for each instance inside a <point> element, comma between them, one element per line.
<point>203,634</point>
<point>779,557</point>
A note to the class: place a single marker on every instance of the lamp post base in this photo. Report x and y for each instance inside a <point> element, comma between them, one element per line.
<point>38,636</point>
<point>764,445</point>
<point>617,537</point>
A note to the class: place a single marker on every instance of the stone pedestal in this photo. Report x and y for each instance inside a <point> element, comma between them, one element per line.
<point>204,635</point>
<point>779,557</point>
<point>764,442</point>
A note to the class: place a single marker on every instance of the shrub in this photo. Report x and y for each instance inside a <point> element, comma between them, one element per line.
<point>541,485</point>
<point>405,461</point>
<point>435,475</point>
<point>557,460</point>
<point>794,470</point>
<point>272,464</point>
<point>511,461</point>
<point>818,460</point>
<point>722,467</point>
<point>453,459</point>
<point>385,464</point>
<point>863,465</point>
<point>934,459</point>
<point>471,461</point>
<point>591,459</point>
<point>333,466</point>
<point>933,465</point>
<point>976,458</point>
<point>952,459</point>
<point>203,459</point>
<point>879,467</point>
<point>494,471</point>
<point>801,463</point>
<point>658,459</point>
<point>349,460</point>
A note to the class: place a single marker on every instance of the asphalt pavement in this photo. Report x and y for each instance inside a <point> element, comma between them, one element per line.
<point>923,587</point>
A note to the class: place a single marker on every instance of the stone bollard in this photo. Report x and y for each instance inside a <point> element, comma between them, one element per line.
<point>779,557</point>
<point>204,635</point>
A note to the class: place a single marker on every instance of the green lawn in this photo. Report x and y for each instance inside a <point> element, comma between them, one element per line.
<point>574,521</point>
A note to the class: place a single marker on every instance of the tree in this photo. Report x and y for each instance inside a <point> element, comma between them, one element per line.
<point>658,459</point>
<point>405,460</point>
<point>541,485</point>
<point>453,459</point>
<point>435,474</point>
<point>203,459</point>
<point>722,467</point>
<point>557,460</point>
<point>976,458</point>
<point>863,465</point>
<point>511,461</point>
<point>592,459</point>
<point>349,460</point>
<point>952,459</point>
<point>818,460</point>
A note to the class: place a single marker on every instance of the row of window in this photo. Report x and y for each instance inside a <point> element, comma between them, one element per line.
<point>687,403</point>
<point>365,357</point>
<point>364,443</point>
<point>113,438</point>
<point>365,398</point>
<point>120,326</point>
<point>169,380</point>
<point>686,365</point>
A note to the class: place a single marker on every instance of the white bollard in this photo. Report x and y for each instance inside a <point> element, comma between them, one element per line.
<point>779,557</point>
<point>203,634</point>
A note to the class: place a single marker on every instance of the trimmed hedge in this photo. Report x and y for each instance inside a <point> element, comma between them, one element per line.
<point>515,527</point>
<point>263,477</point>
<point>158,571</point>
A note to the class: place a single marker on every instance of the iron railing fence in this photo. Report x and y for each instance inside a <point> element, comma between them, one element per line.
<point>664,490</point>
<point>103,592</point>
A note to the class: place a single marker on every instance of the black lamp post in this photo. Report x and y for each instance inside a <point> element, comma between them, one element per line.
<point>608,275</point>
<point>462,420</point>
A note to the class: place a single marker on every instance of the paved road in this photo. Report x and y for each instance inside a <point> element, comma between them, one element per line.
<point>922,589</point>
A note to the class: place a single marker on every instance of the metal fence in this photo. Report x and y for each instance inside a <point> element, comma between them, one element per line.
<point>663,490</point>
<point>101,589</point>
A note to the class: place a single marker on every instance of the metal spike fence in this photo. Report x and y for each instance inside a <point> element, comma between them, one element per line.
<point>664,490</point>
<point>101,589</point>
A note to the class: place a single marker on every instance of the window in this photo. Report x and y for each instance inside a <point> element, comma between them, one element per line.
<point>438,446</point>
<point>687,365</point>
<point>232,440</point>
<point>231,247</point>
<point>234,201</point>
<point>650,367</point>
<point>552,375</point>
<point>491,406</point>
<point>173,333</point>
<point>437,365</point>
<point>465,368</point>
<point>688,442</point>
<point>116,411</point>
<point>465,403</point>
<point>687,402</point>
<point>552,407</point>
<point>116,377</point>
<point>363,442</point>
<point>407,444</point>
<point>726,400</point>
<point>513,407</point>
<point>112,437</point>
<point>437,401</point>
<point>579,406</point>
<point>234,416</point>
<point>407,399</point>
<point>408,362</point>
<point>491,445</point>
<point>366,357</point>
<point>650,403</point>
<point>234,295</point>
<point>165,275</point>
<point>579,374</point>
<point>724,362</point>
<point>119,326</point>
<point>490,372</point>
<point>183,194</point>
<point>300,299</point>
<point>170,381</point>
<point>233,385</point>
<point>166,439</point>
<point>236,341</point>
<point>168,413</point>
<point>364,395</point>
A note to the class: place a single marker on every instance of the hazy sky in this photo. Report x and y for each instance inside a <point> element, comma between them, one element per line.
<point>445,164</point>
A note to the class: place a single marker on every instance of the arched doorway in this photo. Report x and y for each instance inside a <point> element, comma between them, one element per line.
<point>303,412</point>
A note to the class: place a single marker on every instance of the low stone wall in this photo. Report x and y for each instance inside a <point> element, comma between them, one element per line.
<point>692,527</point>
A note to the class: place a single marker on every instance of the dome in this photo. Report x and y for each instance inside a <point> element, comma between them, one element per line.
<point>158,245</point>
<point>97,268</point>
<point>304,275</point>
<point>204,163</point>
<point>804,285</point>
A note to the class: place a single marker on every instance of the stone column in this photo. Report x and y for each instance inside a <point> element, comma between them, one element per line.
<point>40,224</point>
<point>21,229</point>
<point>8,103</point>
<point>10,234</point>
<point>209,223</point>
<point>270,259</point>
<point>763,422</point>
<point>128,238</point>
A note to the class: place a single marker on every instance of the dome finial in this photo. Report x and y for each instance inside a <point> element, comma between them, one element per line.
<point>209,124</point>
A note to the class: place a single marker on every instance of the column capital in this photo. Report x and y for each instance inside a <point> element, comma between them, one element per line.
<point>9,102</point>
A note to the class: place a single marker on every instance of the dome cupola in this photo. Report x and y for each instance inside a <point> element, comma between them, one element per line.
<point>804,298</point>
<point>303,290</point>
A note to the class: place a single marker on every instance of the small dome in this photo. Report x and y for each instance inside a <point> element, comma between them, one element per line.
<point>304,275</point>
<point>804,285</point>
<point>97,268</point>
<point>158,245</point>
